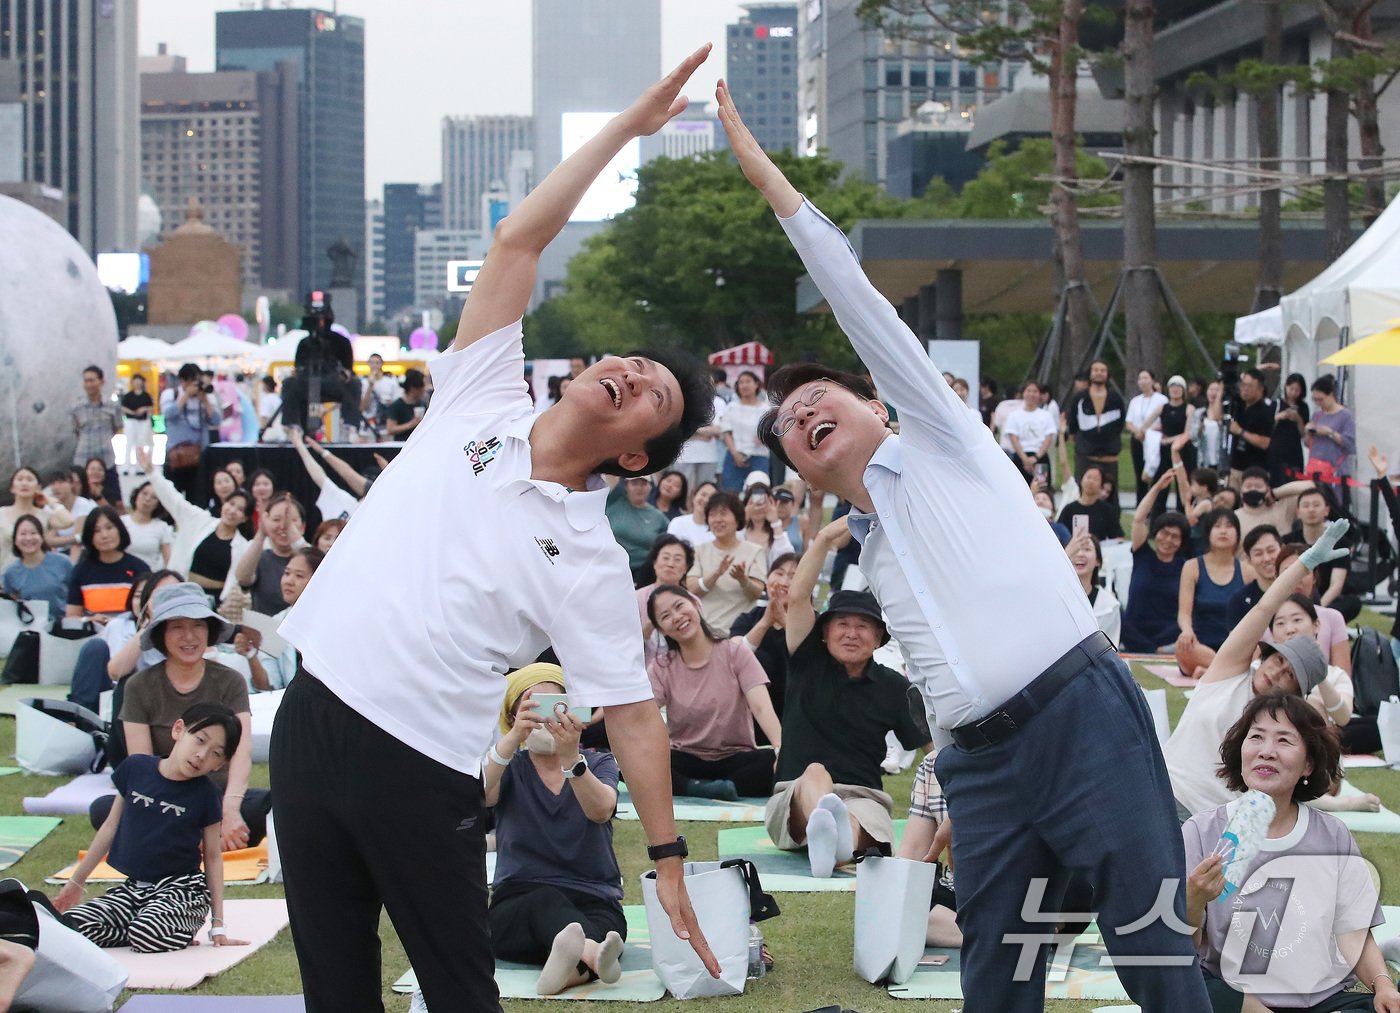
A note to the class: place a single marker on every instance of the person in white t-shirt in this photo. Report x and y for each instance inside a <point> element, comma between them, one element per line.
<point>700,457</point>
<point>1030,430</point>
<point>496,514</point>
<point>692,527</point>
<point>745,453</point>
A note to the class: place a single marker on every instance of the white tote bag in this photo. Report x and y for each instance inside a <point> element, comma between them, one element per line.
<point>892,902</point>
<point>71,974</point>
<point>724,895</point>
<point>274,860</point>
<point>46,741</point>
<point>1388,725</point>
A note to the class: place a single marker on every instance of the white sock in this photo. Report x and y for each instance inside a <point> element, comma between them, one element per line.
<point>563,960</point>
<point>609,957</point>
<point>821,843</point>
<point>1390,949</point>
<point>845,842</point>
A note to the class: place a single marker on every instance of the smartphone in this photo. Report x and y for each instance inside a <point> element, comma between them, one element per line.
<point>759,497</point>
<point>1042,472</point>
<point>552,704</point>
<point>1081,522</point>
<point>934,960</point>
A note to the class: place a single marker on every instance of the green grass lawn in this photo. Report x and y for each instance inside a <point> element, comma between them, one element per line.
<point>811,940</point>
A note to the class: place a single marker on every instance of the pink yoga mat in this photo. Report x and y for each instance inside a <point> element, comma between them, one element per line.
<point>1170,674</point>
<point>257,921</point>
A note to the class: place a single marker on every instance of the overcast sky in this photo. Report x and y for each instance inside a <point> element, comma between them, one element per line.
<point>425,59</point>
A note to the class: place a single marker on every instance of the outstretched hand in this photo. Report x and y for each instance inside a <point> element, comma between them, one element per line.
<point>1325,550</point>
<point>758,168</point>
<point>675,901</point>
<point>656,106</point>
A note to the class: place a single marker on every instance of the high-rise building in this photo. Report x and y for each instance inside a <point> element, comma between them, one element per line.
<point>221,137</point>
<point>372,289</point>
<point>694,131</point>
<point>476,153</point>
<point>762,72</point>
<point>327,52</point>
<point>77,79</point>
<point>857,84</point>
<point>408,208</point>
<point>433,250</point>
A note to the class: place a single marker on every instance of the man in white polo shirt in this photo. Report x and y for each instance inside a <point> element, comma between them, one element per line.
<point>1048,757</point>
<point>503,549</point>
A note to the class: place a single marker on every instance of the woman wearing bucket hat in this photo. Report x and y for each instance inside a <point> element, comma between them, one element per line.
<point>183,628</point>
<point>1296,666</point>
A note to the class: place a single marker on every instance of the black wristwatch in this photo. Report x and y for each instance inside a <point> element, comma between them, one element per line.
<point>676,849</point>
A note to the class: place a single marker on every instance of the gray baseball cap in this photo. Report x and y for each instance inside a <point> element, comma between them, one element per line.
<point>1303,656</point>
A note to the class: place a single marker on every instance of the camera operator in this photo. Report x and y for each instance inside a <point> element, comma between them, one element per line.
<point>1251,426</point>
<point>325,369</point>
<point>188,407</point>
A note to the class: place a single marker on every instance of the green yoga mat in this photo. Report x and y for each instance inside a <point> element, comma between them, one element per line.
<point>700,810</point>
<point>20,833</point>
<point>10,696</point>
<point>1082,979</point>
<point>638,983</point>
<point>7,771</point>
<point>1384,822</point>
<point>787,871</point>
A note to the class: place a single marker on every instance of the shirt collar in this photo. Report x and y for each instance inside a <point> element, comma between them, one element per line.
<point>889,455</point>
<point>584,508</point>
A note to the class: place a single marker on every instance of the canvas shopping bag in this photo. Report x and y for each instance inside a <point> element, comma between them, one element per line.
<point>725,896</point>
<point>1388,725</point>
<point>57,737</point>
<point>892,902</point>
<point>70,973</point>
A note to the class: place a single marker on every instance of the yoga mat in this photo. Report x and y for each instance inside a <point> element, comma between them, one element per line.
<point>701,810</point>
<point>10,696</point>
<point>246,867</point>
<point>638,983</point>
<point>257,921</point>
<point>214,1004</point>
<point>20,833</point>
<point>1356,761</point>
<point>1081,977</point>
<point>7,771</point>
<point>787,871</point>
<point>73,798</point>
<point>1170,674</point>
<point>1383,822</point>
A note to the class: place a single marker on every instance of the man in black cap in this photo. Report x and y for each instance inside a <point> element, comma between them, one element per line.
<point>839,705</point>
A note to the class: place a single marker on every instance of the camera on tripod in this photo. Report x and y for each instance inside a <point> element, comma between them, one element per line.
<point>1232,362</point>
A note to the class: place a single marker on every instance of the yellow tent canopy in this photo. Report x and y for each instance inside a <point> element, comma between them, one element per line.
<point>1382,349</point>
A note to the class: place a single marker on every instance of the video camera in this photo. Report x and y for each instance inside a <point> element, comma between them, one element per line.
<point>1232,363</point>
<point>319,315</point>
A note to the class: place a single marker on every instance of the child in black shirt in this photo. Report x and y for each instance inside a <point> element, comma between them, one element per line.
<point>165,811</point>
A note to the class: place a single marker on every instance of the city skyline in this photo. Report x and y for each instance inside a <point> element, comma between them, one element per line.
<point>403,113</point>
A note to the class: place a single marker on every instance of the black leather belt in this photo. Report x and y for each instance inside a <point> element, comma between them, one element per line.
<point>1001,725</point>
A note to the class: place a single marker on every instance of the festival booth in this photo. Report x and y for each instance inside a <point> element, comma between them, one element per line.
<point>751,356</point>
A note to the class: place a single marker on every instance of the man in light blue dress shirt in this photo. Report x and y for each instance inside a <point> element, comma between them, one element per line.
<point>1048,756</point>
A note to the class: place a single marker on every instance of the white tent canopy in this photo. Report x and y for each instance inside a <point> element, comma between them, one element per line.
<point>1356,296</point>
<point>209,344</point>
<point>139,348</point>
<point>1262,328</point>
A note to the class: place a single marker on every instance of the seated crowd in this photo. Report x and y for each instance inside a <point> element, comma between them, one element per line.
<point>1243,583</point>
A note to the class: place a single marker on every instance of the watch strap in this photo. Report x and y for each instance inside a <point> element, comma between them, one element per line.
<point>673,849</point>
<point>576,769</point>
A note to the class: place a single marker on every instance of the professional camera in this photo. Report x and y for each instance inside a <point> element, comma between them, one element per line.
<point>1232,364</point>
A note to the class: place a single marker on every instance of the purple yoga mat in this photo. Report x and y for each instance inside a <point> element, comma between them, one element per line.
<point>214,1004</point>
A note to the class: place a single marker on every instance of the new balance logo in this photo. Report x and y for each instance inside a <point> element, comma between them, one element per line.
<point>548,547</point>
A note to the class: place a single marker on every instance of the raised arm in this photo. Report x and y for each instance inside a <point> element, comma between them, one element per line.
<point>801,617</point>
<point>502,289</point>
<point>1142,515</point>
<point>356,482</point>
<point>314,470</point>
<point>1236,653</point>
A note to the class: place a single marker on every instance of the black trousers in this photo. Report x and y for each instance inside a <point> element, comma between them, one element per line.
<point>295,392</point>
<point>752,773</point>
<point>334,777</point>
<point>525,918</point>
<point>257,803</point>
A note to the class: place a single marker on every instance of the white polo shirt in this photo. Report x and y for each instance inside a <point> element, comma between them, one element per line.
<point>955,544</point>
<point>1032,428</point>
<point>488,568</point>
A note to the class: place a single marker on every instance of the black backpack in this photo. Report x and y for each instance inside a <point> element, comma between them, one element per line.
<point>1374,673</point>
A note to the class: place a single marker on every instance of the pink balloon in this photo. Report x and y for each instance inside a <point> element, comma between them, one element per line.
<point>234,326</point>
<point>422,338</point>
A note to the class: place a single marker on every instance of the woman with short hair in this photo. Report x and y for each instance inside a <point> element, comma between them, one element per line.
<point>1159,554</point>
<point>1208,584</point>
<point>729,573</point>
<point>100,582</point>
<point>36,573</point>
<point>1280,748</point>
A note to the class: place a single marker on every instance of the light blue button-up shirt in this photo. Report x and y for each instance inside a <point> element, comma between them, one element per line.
<point>973,582</point>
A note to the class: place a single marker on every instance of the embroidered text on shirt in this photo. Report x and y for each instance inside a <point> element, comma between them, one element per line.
<point>483,453</point>
<point>548,547</point>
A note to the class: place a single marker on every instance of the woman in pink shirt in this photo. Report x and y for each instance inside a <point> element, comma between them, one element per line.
<point>713,690</point>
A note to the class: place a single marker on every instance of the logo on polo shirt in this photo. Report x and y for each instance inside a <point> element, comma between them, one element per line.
<point>548,547</point>
<point>482,453</point>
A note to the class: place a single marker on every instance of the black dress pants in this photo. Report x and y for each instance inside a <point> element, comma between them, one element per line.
<point>525,918</point>
<point>335,778</point>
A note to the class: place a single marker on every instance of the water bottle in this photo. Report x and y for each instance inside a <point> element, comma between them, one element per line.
<point>756,968</point>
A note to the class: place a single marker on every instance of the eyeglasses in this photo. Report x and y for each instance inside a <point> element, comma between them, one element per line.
<point>783,424</point>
